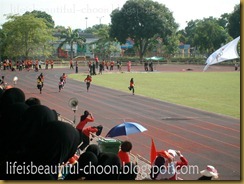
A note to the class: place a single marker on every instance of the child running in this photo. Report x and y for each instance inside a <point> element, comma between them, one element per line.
<point>60,84</point>
<point>132,86</point>
<point>88,80</point>
<point>39,84</point>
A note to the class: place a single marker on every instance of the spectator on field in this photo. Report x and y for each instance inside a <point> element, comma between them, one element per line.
<point>146,66</point>
<point>151,66</point>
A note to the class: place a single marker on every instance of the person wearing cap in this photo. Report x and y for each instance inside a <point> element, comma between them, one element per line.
<point>178,164</point>
<point>209,173</point>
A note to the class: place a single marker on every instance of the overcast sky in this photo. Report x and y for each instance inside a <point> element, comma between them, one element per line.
<point>73,13</point>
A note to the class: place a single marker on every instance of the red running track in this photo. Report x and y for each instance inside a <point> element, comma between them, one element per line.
<point>202,137</point>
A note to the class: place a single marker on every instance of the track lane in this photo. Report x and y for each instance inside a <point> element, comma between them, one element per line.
<point>201,136</point>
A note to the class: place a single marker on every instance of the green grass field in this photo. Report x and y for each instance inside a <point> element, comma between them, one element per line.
<point>214,92</point>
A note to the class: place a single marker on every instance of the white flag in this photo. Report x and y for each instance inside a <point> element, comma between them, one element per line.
<point>226,52</point>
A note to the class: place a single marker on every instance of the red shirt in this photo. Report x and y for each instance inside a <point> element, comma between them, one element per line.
<point>124,157</point>
<point>179,164</point>
<point>88,79</point>
<point>81,125</point>
<point>89,130</point>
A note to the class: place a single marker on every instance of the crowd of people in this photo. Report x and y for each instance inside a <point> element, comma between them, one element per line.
<point>27,64</point>
<point>32,135</point>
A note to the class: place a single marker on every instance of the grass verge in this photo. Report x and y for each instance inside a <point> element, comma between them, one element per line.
<point>217,92</point>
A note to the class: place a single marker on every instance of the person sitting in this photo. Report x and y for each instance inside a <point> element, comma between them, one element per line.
<point>108,160</point>
<point>86,135</point>
<point>129,171</point>
<point>178,164</point>
<point>94,148</point>
<point>209,173</point>
<point>163,167</point>
<point>86,160</point>
<point>33,101</point>
<point>125,148</point>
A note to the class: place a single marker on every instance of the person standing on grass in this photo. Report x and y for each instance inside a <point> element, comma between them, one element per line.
<point>88,81</point>
<point>132,86</point>
<point>129,66</point>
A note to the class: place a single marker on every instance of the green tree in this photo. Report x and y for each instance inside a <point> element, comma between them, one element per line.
<point>40,14</point>
<point>59,29</point>
<point>182,36</point>
<point>209,35</point>
<point>71,36</point>
<point>2,43</point>
<point>206,35</point>
<point>190,31</point>
<point>27,36</point>
<point>172,46</point>
<point>104,46</point>
<point>94,28</point>
<point>142,21</point>
<point>224,20</point>
<point>234,27</point>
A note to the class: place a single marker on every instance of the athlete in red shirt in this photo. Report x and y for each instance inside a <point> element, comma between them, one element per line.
<point>88,81</point>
